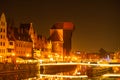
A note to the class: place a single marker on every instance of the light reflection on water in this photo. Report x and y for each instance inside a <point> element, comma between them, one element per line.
<point>80,73</point>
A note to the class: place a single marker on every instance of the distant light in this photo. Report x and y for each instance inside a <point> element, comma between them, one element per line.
<point>78,73</point>
<point>78,52</point>
<point>112,75</point>
<point>51,59</point>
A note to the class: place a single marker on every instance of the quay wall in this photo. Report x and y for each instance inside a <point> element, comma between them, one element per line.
<point>10,67</point>
<point>57,68</point>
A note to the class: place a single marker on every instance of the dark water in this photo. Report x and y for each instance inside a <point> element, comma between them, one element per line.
<point>80,73</point>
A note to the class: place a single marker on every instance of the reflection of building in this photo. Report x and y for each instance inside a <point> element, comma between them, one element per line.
<point>60,35</point>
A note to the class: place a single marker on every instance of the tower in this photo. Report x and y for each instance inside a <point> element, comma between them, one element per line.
<point>61,35</point>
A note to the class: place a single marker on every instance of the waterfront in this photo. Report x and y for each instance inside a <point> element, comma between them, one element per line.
<point>81,72</point>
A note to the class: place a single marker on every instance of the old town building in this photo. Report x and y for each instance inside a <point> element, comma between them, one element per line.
<point>3,36</point>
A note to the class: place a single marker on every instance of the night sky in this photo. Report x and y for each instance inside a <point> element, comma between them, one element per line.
<point>97,22</point>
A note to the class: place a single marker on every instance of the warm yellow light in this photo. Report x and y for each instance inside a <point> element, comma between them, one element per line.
<point>13,54</point>
<point>28,55</point>
<point>51,59</point>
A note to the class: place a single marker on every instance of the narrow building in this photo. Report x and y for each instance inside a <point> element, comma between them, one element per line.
<point>3,37</point>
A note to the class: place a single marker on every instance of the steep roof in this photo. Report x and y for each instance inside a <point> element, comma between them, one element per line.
<point>15,34</point>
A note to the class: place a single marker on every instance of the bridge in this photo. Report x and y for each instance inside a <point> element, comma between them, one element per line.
<point>80,63</point>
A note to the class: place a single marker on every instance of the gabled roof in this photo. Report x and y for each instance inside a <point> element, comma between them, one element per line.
<point>17,35</point>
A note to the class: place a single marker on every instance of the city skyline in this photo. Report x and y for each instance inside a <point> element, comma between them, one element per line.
<point>96,22</point>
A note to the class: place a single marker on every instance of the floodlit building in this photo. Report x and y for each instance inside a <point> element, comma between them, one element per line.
<point>28,28</point>
<point>23,43</point>
<point>3,36</point>
<point>39,41</point>
<point>60,36</point>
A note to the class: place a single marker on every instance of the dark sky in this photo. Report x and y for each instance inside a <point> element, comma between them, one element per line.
<point>97,22</point>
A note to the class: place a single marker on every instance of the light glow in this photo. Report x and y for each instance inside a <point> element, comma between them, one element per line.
<point>111,75</point>
<point>63,76</point>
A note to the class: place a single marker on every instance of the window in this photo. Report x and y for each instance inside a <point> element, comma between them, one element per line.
<point>9,50</point>
<point>4,37</point>
<point>3,43</point>
<point>11,43</point>
<point>3,30</point>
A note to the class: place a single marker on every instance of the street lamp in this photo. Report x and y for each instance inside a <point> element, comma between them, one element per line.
<point>28,55</point>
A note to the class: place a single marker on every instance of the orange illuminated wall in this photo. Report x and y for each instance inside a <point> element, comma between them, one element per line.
<point>61,33</point>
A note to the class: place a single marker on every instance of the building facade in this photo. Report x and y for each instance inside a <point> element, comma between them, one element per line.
<point>60,36</point>
<point>3,36</point>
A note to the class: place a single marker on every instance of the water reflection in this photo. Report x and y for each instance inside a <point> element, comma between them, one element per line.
<point>18,76</point>
<point>79,73</point>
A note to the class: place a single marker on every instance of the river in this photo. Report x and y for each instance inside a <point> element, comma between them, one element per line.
<point>80,73</point>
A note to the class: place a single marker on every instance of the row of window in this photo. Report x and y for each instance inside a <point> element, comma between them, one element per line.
<point>2,43</point>
<point>2,36</point>
<point>22,52</point>
<point>2,50</point>
<point>2,29</point>
<point>24,45</point>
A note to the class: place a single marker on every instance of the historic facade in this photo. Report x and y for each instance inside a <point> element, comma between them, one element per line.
<point>3,36</point>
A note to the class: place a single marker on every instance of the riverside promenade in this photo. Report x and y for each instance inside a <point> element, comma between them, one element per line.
<point>18,67</point>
